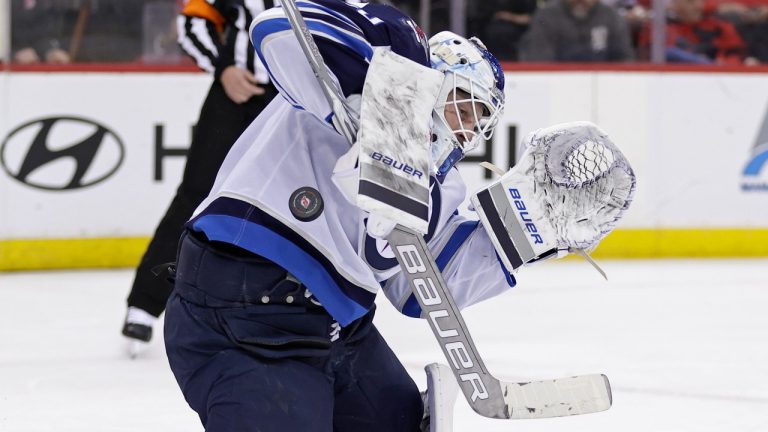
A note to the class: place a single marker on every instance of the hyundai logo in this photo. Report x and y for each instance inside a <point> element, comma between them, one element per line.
<point>61,153</point>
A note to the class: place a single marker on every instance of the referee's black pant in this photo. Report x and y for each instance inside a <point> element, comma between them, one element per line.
<point>220,124</point>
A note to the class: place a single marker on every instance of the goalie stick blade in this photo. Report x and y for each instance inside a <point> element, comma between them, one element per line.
<point>558,397</point>
<point>487,395</point>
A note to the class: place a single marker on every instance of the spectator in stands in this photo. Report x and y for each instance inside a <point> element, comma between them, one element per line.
<point>476,16</point>
<point>510,20</point>
<point>439,17</point>
<point>159,33</point>
<point>107,31</point>
<point>577,31</point>
<point>39,31</point>
<point>694,36</point>
<point>751,20</point>
<point>480,14</point>
<point>65,31</point>
<point>636,14</point>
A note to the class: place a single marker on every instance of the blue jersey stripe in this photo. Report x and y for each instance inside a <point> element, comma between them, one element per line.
<point>323,29</point>
<point>318,28</point>
<point>345,55</point>
<point>459,236</point>
<point>411,307</point>
<point>259,31</point>
<point>333,21</point>
<point>303,6</point>
<point>239,223</point>
<point>510,279</point>
<point>282,252</point>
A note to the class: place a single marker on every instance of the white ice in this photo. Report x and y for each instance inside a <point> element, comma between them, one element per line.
<point>685,344</point>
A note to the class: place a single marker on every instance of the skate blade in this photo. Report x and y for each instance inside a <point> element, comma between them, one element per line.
<point>135,348</point>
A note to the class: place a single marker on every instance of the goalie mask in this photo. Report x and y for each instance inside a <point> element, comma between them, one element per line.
<point>471,98</point>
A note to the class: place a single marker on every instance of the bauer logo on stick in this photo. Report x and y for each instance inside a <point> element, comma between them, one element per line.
<point>436,308</point>
<point>306,204</point>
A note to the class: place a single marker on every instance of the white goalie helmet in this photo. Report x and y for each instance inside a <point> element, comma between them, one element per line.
<point>471,98</point>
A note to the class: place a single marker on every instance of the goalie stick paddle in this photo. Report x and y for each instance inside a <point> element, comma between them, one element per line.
<point>486,395</point>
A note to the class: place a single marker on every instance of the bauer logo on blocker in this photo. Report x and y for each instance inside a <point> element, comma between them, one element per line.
<point>61,153</point>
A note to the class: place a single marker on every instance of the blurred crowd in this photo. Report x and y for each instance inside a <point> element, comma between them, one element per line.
<point>729,32</point>
<point>93,31</point>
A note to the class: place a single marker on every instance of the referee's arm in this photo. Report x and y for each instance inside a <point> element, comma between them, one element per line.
<point>200,26</point>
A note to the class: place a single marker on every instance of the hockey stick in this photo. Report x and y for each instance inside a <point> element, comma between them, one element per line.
<point>486,395</point>
<point>343,120</point>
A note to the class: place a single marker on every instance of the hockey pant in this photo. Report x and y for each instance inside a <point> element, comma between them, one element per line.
<point>252,353</point>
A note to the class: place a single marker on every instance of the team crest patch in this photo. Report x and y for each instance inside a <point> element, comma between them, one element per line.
<point>306,204</point>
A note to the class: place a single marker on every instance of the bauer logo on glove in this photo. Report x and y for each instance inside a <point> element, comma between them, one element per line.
<point>568,191</point>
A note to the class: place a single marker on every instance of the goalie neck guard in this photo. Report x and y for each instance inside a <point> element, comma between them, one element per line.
<point>471,98</point>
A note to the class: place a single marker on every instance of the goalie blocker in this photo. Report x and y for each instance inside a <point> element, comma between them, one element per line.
<point>567,193</point>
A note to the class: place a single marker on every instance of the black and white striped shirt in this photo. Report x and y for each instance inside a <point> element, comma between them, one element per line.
<point>215,34</point>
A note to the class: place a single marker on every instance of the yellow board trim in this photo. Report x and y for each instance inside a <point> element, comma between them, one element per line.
<point>684,243</point>
<point>46,254</point>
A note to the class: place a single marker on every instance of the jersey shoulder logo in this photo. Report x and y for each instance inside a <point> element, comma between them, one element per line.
<point>378,254</point>
<point>418,33</point>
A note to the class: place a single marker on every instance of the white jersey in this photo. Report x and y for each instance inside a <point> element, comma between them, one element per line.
<point>275,194</point>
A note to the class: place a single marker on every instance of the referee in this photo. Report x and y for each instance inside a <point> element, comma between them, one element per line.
<point>215,34</point>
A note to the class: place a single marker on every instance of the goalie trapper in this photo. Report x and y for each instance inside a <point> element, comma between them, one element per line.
<point>570,188</point>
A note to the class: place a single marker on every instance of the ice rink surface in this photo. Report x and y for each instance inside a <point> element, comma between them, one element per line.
<point>685,344</point>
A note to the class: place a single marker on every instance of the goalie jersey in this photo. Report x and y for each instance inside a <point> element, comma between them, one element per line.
<point>275,194</point>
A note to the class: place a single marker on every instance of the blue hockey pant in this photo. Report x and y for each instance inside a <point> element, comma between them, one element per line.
<point>252,353</point>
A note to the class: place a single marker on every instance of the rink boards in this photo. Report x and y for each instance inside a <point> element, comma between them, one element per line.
<point>90,161</point>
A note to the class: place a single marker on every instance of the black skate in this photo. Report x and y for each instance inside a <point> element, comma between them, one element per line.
<point>138,330</point>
